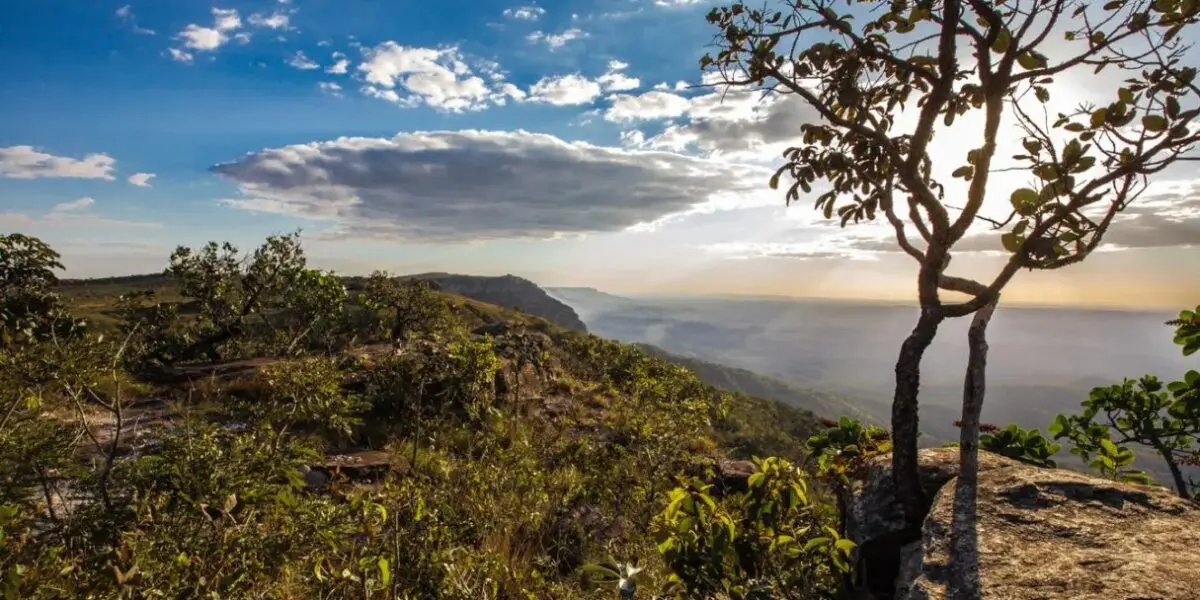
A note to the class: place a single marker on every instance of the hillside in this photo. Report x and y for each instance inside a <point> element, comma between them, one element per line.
<point>480,452</point>
<point>95,296</point>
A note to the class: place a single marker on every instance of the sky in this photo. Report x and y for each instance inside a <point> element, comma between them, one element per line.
<point>562,141</point>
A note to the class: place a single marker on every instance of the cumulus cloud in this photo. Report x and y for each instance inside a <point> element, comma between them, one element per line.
<point>207,39</point>
<point>26,162</point>
<point>125,14</point>
<point>555,41</point>
<point>565,90</point>
<point>614,80</point>
<point>340,66</point>
<point>302,62</point>
<point>275,20</point>
<point>140,179</point>
<point>524,13</point>
<point>652,105</point>
<point>471,185</point>
<point>435,77</point>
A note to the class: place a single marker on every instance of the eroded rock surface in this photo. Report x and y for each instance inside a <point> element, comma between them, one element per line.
<point>1050,533</point>
<point>1044,534</point>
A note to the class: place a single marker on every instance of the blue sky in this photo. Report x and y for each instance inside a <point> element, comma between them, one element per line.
<point>554,140</point>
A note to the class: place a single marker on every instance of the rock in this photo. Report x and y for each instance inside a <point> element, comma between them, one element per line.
<point>494,329</point>
<point>732,475</point>
<point>872,514</point>
<point>1043,534</point>
<point>1048,534</point>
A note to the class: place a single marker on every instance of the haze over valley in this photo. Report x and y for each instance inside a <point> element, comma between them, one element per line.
<point>1042,362</point>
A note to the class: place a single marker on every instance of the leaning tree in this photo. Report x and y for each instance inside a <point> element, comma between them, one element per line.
<point>885,77</point>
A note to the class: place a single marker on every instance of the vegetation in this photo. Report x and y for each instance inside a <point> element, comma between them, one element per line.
<point>859,65</point>
<point>1163,417</point>
<point>257,429</point>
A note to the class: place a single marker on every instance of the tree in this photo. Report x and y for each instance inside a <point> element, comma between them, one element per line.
<point>858,69</point>
<point>270,284</point>
<point>416,305</point>
<point>30,310</point>
<point>1162,416</point>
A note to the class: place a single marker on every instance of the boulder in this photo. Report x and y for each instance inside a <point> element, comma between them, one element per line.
<point>1043,534</point>
<point>1047,534</point>
<point>733,475</point>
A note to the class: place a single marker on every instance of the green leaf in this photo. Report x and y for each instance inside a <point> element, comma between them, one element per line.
<point>1011,241</point>
<point>817,542</point>
<point>1154,123</point>
<point>1029,61</point>
<point>385,572</point>
<point>1003,42</point>
<point>1023,199</point>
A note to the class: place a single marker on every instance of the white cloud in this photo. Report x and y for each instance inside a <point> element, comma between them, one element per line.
<point>79,204</point>
<point>180,55</point>
<point>341,65</point>
<point>302,62</point>
<point>655,104</point>
<point>565,90</point>
<point>140,179</point>
<point>435,77</point>
<point>330,88</point>
<point>275,20</point>
<point>125,14</point>
<point>226,19</point>
<point>555,41</point>
<point>73,214</point>
<point>451,186</point>
<point>525,13</point>
<point>208,39</point>
<point>25,162</point>
<point>618,82</point>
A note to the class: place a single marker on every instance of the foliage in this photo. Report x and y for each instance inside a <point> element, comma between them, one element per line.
<point>1025,445</point>
<point>843,447</point>
<point>30,310</point>
<point>215,481</point>
<point>416,308</point>
<point>305,392</point>
<point>272,285</point>
<point>1146,412</point>
<point>1187,330</point>
<point>768,542</point>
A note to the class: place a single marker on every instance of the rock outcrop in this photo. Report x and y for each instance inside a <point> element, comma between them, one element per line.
<point>1043,534</point>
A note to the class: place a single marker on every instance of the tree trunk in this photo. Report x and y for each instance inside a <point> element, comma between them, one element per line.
<point>905,470</point>
<point>964,542</point>
<point>1181,484</point>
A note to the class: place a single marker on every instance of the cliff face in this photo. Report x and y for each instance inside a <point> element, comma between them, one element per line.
<point>1043,534</point>
<point>510,291</point>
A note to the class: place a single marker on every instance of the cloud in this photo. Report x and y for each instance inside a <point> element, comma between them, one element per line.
<point>140,179</point>
<point>26,162</point>
<point>79,204</point>
<point>555,41</point>
<point>616,81</point>
<point>275,20</point>
<point>341,65</point>
<point>525,13</point>
<point>435,77</point>
<point>655,104</point>
<point>125,14</point>
<point>73,214</point>
<point>565,90</point>
<point>208,39</point>
<point>454,186</point>
<point>330,88</point>
<point>180,55</point>
<point>302,62</point>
